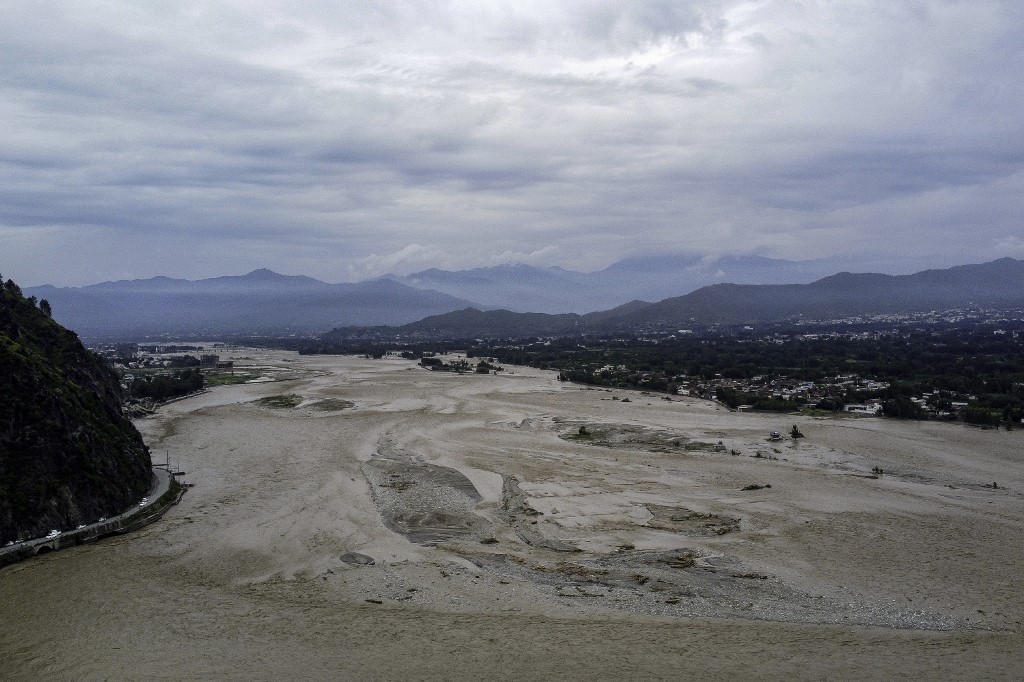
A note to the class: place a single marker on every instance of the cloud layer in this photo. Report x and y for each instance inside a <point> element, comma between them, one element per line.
<point>344,140</point>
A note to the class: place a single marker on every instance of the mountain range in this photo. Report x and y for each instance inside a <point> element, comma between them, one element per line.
<point>261,302</point>
<point>998,284</point>
<point>525,288</point>
<point>514,299</point>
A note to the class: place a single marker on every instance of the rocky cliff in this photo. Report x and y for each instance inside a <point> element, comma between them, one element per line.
<point>67,453</point>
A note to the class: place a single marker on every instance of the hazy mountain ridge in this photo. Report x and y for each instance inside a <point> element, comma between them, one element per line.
<point>652,278</point>
<point>996,284</point>
<point>523,288</point>
<point>260,302</point>
<point>263,302</point>
<point>267,303</point>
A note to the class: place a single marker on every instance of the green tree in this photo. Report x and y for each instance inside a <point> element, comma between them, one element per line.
<point>902,407</point>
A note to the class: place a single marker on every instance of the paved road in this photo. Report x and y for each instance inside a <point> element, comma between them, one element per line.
<point>161,482</point>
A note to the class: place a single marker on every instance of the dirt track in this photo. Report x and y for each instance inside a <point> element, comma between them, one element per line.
<point>505,544</point>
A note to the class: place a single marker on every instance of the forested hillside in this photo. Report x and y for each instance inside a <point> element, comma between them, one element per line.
<point>67,453</point>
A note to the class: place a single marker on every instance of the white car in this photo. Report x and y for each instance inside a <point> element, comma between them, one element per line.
<point>52,534</point>
<point>143,502</point>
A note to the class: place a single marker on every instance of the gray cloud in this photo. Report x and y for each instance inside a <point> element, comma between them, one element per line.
<point>343,140</point>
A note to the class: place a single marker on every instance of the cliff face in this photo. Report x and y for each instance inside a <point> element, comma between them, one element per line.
<point>67,453</point>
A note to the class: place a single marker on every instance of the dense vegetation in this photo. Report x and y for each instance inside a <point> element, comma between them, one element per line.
<point>927,369</point>
<point>67,453</point>
<point>979,365</point>
<point>165,386</point>
<point>963,360</point>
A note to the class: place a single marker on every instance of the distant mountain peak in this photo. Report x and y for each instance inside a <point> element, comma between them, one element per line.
<point>265,277</point>
<point>263,273</point>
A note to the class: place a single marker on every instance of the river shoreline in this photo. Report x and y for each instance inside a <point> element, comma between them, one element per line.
<point>126,522</point>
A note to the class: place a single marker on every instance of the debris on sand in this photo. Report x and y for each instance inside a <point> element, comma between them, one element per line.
<point>280,402</point>
<point>333,405</point>
<point>357,559</point>
<point>689,522</point>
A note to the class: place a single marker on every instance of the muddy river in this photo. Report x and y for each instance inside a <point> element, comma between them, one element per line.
<point>370,518</point>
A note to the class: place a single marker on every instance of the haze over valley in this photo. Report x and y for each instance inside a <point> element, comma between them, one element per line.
<point>265,303</point>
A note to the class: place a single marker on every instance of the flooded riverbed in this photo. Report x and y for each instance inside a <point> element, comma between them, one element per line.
<point>664,538</point>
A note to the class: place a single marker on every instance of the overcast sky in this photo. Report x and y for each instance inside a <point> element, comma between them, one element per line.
<point>343,140</point>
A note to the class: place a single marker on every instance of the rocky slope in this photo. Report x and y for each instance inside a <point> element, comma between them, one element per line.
<point>67,453</point>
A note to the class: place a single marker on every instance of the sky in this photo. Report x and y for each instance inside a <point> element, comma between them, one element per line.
<point>344,140</point>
